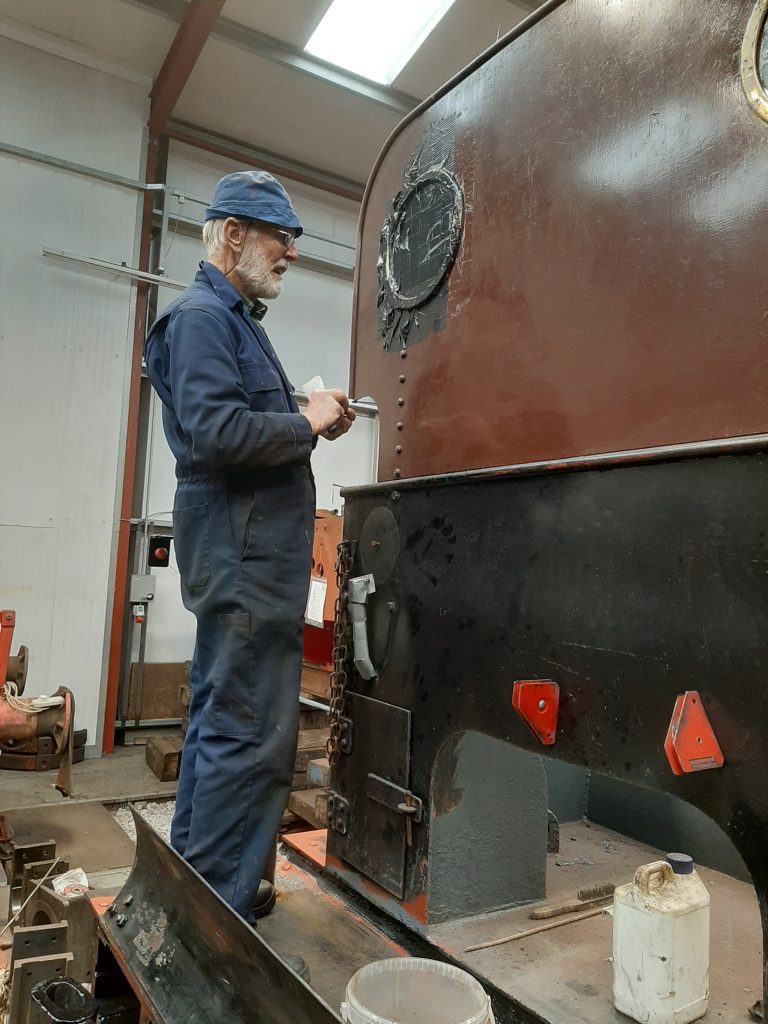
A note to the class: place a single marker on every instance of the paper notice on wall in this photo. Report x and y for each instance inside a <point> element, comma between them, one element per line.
<point>316,602</point>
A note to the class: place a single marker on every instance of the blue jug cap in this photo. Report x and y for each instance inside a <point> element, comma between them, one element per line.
<point>680,863</point>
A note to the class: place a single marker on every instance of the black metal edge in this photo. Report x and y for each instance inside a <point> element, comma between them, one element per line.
<point>240,936</point>
<point>604,460</point>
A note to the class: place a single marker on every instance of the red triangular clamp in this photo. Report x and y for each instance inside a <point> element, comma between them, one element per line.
<point>691,744</point>
<point>537,702</point>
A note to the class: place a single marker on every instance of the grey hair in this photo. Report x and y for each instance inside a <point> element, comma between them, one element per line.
<point>213,236</point>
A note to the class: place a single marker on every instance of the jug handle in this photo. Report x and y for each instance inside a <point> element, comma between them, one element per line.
<point>646,872</point>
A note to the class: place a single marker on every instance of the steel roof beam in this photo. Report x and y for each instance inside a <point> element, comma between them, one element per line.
<point>198,19</point>
<point>193,135</point>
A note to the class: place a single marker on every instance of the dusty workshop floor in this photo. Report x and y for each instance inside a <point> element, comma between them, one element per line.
<point>122,777</point>
<point>86,832</point>
<point>563,976</point>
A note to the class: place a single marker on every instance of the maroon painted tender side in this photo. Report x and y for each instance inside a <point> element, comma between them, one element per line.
<point>608,291</point>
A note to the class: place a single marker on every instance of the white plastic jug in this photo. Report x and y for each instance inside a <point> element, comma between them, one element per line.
<point>413,990</point>
<point>661,944</point>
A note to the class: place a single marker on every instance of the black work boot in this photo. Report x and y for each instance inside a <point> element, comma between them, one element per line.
<point>264,902</point>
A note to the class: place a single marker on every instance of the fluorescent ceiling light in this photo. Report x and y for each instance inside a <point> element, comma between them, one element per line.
<point>375,38</point>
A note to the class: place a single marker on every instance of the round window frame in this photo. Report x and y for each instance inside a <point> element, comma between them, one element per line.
<point>754,87</point>
<point>401,301</point>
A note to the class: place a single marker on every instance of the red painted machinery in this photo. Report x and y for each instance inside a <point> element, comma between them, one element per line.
<point>22,721</point>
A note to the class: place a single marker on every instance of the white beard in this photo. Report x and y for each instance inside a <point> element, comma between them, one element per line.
<point>256,274</point>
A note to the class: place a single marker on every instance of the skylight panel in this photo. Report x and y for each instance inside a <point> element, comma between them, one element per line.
<point>375,38</point>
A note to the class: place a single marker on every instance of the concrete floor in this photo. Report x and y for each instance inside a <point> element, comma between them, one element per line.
<point>119,778</point>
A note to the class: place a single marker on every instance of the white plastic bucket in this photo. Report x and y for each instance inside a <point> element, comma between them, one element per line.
<point>411,990</point>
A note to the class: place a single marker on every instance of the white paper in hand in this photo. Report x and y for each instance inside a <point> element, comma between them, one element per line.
<point>315,384</point>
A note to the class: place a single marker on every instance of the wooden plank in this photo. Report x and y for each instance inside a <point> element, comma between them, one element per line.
<point>301,781</point>
<point>315,682</point>
<point>321,808</point>
<point>289,821</point>
<point>16,762</point>
<point>319,772</point>
<point>305,805</point>
<point>311,748</point>
<point>309,739</point>
<point>160,699</point>
<point>312,718</point>
<point>163,754</point>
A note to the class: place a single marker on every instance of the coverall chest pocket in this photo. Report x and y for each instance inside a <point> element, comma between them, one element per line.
<point>192,540</point>
<point>264,387</point>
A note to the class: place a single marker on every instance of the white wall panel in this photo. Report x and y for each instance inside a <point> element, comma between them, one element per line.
<point>64,358</point>
<point>28,572</point>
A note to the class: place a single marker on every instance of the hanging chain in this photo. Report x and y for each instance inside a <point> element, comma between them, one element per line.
<point>342,631</point>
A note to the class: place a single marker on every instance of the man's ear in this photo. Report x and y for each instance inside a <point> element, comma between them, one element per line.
<point>234,233</point>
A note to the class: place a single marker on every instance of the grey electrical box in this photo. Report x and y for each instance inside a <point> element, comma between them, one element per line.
<point>142,589</point>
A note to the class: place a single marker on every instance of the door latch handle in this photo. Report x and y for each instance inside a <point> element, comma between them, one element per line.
<point>358,590</point>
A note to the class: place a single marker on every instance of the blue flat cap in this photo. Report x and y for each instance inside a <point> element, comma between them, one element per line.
<point>254,195</point>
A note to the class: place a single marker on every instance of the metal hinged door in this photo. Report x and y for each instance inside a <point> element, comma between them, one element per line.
<point>373,780</point>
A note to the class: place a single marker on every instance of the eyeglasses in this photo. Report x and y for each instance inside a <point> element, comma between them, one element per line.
<point>286,237</point>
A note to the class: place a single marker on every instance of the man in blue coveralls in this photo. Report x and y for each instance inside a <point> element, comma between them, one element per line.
<point>243,524</point>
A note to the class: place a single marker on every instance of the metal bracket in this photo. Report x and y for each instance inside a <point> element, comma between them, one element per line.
<point>337,815</point>
<point>345,740</point>
<point>21,854</point>
<point>537,702</point>
<point>691,744</point>
<point>27,974</point>
<point>395,797</point>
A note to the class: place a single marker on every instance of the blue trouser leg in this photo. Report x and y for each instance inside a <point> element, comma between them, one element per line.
<point>245,757</point>
<point>186,785</point>
<point>244,560</point>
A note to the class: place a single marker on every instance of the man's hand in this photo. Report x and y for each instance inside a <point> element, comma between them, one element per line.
<point>329,413</point>
<point>341,426</point>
